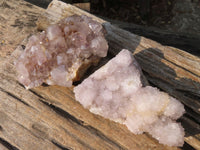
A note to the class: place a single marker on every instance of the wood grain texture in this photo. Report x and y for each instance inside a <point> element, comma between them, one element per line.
<point>17,21</point>
<point>184,41</point>
<point>48,117</point>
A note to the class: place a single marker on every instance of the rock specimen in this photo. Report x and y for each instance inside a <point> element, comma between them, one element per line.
<point>62,53</point>
<point>115,91</point>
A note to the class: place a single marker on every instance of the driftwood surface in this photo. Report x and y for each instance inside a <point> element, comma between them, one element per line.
<point>172,70</point>
<point>48,117</point>
<point>17,21</point>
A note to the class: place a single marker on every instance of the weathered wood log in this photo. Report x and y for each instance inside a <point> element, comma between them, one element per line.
<point>172,70</point>
<point>185,41</point>
<point>30,121</point>
<point>17,21</point>
<point>176,67</point>
<point>49,117</point>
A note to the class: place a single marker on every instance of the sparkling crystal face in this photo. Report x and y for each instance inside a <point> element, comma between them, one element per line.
<point>54,56</point>
<point>115,91</point>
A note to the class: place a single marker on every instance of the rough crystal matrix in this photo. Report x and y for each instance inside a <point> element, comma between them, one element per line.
<point>62,53</point>
<point>115,91</point>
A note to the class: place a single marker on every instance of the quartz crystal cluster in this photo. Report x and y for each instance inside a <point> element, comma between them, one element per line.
<point>62,53</point>
<point>115,91</point>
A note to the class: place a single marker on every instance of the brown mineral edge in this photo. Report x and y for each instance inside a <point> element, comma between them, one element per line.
<point>62,53</point>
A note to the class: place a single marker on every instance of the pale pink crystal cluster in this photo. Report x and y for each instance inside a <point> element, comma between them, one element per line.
<point>115,91</point>
<point>62,53</point>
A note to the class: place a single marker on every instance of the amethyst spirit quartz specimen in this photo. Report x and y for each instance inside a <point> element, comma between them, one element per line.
<point>115,91</point>
<point>62,53</point>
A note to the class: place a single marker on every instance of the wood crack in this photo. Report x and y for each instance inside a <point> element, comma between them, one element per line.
<point>192,115</point>
<point>63,113</point>
<point>91,129</point>
<point>100,134</point>
<point>60,146</point>
<point>7,144</point>
<point>190,94</point>
<point>38,95</point>
<point>15,97</point>
<point>182,68</point>
<point>87,146</point>
<point>186,146</point>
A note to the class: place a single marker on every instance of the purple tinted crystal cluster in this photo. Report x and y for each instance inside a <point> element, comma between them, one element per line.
<point>115,91</point>
<point>62,53</point>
